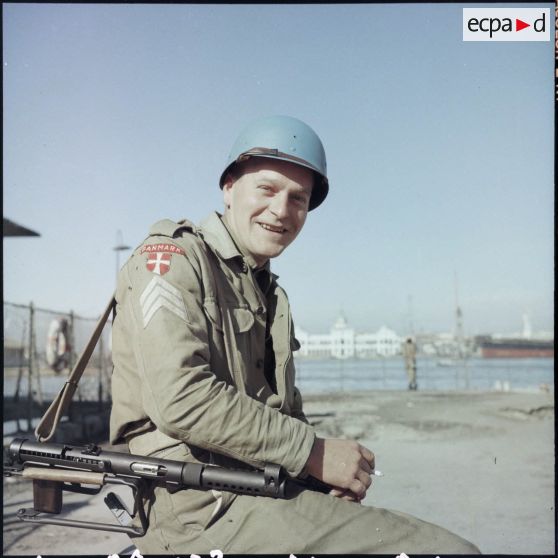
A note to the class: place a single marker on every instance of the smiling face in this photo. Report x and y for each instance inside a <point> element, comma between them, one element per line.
<point>266,206</point>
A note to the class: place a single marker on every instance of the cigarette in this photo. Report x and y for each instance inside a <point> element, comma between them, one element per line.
<point>377,473</point>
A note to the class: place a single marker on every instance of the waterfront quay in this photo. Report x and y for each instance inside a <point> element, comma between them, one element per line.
<point>478,463</point>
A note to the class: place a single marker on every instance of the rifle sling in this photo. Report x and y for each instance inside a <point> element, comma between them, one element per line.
<point>49,421</point>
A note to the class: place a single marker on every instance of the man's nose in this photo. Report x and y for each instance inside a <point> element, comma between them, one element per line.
<point>279,205</point>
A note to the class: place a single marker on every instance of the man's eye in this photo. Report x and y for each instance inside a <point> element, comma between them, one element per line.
<point>265,187</point>
<point>300,200</point>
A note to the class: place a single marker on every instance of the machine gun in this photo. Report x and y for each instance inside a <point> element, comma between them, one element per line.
<point>57,467</point>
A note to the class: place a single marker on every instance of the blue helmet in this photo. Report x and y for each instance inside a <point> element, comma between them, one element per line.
<point>287,139</point>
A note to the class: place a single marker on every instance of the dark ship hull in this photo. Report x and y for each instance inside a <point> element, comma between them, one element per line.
<point>516,348</point>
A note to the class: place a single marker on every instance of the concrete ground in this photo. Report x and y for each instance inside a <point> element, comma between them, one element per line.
<point>479,464</point>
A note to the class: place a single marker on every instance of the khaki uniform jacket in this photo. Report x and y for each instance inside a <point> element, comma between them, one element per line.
<point>188,351</point>
<point>409,351</point>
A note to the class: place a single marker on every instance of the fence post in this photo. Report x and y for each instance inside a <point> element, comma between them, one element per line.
<point>71,336</point>
<point>467,373</point>
<point>21,358</point>
<point>30,364</point>
<point>36,364</point>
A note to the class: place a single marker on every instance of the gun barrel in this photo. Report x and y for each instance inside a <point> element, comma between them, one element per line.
<point>256,483</point>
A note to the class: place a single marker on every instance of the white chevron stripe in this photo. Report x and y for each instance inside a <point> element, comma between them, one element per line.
<point>161,294</point>
<point>157,292</point>
<point>158,281</point>
<point>162,303</point>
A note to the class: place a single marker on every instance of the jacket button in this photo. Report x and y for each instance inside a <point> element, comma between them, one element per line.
<point>244,268</point>
<point>259,363</point>
<point>260,310</point>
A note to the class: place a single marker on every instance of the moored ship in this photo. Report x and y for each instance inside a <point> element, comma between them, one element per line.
<point>515,348</point>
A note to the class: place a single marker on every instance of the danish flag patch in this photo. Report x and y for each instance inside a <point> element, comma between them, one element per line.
<point>159,256</point>
<point>159,262</point>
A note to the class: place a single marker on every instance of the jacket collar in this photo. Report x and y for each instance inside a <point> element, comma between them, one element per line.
<point>217,236</point>
<point>221,240</point>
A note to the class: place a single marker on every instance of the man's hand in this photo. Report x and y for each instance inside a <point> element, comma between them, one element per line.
<point>345,495</point>
<point>344,464</point>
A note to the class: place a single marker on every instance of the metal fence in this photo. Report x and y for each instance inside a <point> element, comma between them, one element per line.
<point>28,374</point>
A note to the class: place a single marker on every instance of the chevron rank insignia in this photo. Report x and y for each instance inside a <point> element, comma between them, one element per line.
<point>161,294</point>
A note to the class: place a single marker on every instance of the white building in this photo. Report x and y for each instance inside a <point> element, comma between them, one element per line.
<point>342,339</point>
<point>342,342</point>
<point>384,343</point>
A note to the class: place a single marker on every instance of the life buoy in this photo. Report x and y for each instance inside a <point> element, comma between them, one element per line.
<point>58,347</point>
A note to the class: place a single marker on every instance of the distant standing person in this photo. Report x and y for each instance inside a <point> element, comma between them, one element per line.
<point>410,356</point>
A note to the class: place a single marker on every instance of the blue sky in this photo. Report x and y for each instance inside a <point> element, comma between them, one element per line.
<point>440,152</point>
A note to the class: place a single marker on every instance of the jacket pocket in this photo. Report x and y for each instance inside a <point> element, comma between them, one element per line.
<point>242,319</point>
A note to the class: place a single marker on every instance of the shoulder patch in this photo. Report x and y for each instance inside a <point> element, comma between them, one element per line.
<point>159,256</point>
<point>162,247</point>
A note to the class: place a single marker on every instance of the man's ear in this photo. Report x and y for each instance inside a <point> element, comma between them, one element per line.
<point>227,190</point>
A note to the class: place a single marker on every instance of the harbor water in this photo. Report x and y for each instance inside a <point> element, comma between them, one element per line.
<point>476,374</point>
<point>330,375</point>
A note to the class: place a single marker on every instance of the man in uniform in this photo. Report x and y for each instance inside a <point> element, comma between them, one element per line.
<point>203,371</point>
<point>410,355</point>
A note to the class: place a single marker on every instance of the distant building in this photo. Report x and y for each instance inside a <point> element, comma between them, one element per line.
<point>342,343</point>
<point>13,229</point>
<point>342,339</point>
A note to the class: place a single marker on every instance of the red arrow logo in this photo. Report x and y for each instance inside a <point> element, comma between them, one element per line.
<point>519,25</point>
